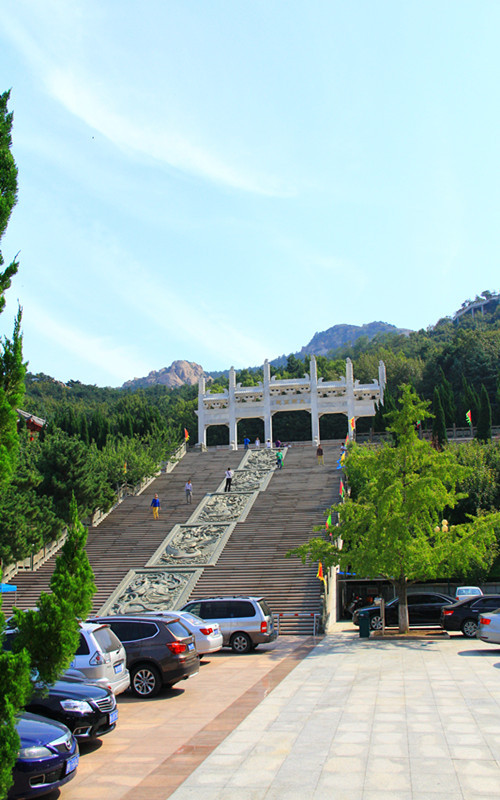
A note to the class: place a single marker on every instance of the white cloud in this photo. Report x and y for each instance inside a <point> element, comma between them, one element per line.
<point>95,100</point>
<point>99,351</point>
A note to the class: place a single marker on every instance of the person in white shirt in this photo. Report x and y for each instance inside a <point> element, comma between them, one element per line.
<point>189,491</point>
<point>229,478</point>
<point>268,444</point>
<point>257,443</point>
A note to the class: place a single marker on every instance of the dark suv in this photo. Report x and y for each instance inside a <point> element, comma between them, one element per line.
<point>160,652</point>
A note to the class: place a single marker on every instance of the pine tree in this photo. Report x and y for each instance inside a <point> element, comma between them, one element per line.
<point>439,436</point>
<point>14,668</point>
<point>483,431</point>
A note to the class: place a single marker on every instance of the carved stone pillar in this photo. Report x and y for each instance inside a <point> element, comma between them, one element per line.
<point>268,420</point>
<point>313,377</point>
<point>349,379</point>
<point>381,380</point>
<point>202,431</point>
<point>233,431</point>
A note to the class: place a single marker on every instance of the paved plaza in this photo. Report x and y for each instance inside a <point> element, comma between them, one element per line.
<point>401,719</point>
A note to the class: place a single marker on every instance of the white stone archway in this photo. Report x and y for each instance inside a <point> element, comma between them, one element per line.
<point>270,396</point>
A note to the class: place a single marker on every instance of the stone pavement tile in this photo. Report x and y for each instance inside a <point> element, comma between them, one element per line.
<point>333,781</point>
<point>284,791</point>
<point>432,765</point>
<point>468,752</point>
<point>395,749</point>
<point>391,773</point>
<point>443,795</point>
<point>349,749</point>
<point>347,764</point>
<point>387,794</point>
<point>423,781</point>
<point>250,779</point>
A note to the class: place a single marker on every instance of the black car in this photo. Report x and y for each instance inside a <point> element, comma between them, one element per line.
<point>47,757</point>
<point>86,709</point>
<point>160,652</point>
<point>424,608</point>
<point>464,615</point>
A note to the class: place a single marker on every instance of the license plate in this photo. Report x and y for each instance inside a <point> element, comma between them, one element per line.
<point>113,717</point>
<point>118,668</point>
<point>191,646</point>
<point>72,764</point>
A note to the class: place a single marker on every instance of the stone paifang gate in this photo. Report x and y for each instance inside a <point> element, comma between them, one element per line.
<point>270,396</point>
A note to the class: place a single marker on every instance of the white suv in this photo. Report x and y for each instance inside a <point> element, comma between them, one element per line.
<point>101,657</point>
<point>245,622</point>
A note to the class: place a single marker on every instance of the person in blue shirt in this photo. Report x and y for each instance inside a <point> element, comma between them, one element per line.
<point>246,442</point>
<point>156,505</point>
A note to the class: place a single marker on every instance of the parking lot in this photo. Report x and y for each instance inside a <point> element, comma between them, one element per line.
<point>158,742</point>
<point>395,718</point>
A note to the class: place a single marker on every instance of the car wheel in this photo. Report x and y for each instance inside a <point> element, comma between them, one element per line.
<point>469,628</point>
<point>241,643</point>
<point>376,622</point>
<point>145,681</point>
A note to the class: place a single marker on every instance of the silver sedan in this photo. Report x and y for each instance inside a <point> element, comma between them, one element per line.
<point>489,627</point>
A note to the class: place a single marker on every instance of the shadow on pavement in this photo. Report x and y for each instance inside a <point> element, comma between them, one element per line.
<point>495,653</point>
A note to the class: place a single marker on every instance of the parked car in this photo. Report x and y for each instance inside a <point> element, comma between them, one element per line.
<point>102,657</point>
<point>464,615</point>
<point>489,627</point>
<point>47,757</point>
<point>89,711</point>
<point>160,652</point>
<point>207,635</point>
<point>245,622</point>
<point>424,608</point>
<point>463,592</point>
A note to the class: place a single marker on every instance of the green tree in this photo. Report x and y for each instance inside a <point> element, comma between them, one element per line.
<point>15,688</point>
<point>483,431</point>
<point>50,634</point>
<point>14,668</point>
<point>439,436</point>
<point>392,525</point>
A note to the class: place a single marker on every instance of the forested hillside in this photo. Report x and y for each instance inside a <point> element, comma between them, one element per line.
<point>96,439</point>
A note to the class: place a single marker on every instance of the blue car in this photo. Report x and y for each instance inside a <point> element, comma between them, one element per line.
<point>48,757</point>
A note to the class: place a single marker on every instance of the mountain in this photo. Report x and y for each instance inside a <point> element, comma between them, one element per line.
<point>322,343</point>
<point>325,342</point>
<point>338,335</point>
<point>177,374</point>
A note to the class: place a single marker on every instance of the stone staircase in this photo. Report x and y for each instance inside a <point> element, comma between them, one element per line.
<point>253,561</point>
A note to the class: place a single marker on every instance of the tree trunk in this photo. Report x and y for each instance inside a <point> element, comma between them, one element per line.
<point>401,589</point>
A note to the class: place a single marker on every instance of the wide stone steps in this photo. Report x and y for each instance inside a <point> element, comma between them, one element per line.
<point>253,560</point>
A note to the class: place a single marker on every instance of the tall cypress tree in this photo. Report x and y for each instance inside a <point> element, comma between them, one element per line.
<point>439,436</point>
<point>483,431</point>
<point>12,369</point>
<point>14,667</point>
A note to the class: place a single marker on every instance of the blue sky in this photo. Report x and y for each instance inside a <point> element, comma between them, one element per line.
<point>217,181</point>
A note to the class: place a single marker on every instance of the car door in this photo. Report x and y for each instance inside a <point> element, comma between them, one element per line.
<point>485,604</point>
<point>218,611</point>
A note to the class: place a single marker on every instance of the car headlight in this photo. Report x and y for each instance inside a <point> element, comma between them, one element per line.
<point>34,752</point>
<point>76,706</point>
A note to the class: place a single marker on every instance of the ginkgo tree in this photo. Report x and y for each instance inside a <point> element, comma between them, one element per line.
<point>393,525</point>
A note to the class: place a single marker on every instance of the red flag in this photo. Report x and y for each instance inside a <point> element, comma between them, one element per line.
<point>320,573</point>
<point>186,435</point>
<point>468,417</point>
<point>352,423</point>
